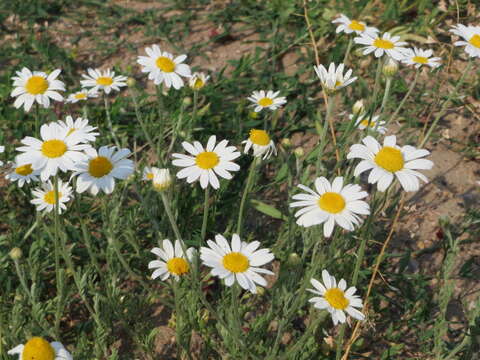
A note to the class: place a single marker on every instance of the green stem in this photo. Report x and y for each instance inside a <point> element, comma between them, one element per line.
<point>377,84</point>
<point>168,210</point>
<point>341,334</point>
<point>446,103</point>
<point>236,321</point>
<point>59,280</point>
<point>247,189</point>
<point>410,89</point>
<point>388,86</point>
<point>349,48</point>
<point>205,216</point>
<point>37,119</point>
<point>109,120</point>
<point>161,106</point>
<point>178,339</point>
<point>194,113</point>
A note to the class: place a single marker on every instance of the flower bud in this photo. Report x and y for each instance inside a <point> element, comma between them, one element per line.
<point>131,82</point>
<point>198,81</point>
<point>253,115</point>
<point>16,253</point>
<point>161,179</point>
<point>187,101</point>
<point>286,142</point>
<point>294,260</point>
<point>299,152</point>
<point>390,68</point>
<point>358,108</point>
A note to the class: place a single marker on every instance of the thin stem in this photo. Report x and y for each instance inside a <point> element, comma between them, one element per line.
<point>349,48</point>
<point>37,119</point>
<point>168,210</point>
<point>377,84</point>
<point>109,120</point>
<point>340,336</point>
<point>445,104</point>
<point>328,116</point>
<point>161,106</point>
<point>410,89</point>
<point>194,113</point>
<point>177,318</point>
<point>237,324</point>
<point>246,191</point>
<point>59,280</point>
<point>310,31</point>
<point>388,86</point>
<point>206,204</point>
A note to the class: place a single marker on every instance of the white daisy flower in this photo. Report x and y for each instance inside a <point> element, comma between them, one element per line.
<point>471,36</point>
<point>419,57</point>
<point>333,79</point>
<point>100,169</point>
<point>261,143</point>
<point>56,150</point>
<point>44,196</point>
<point>2,149</point>
<point>80,127</point>
<point>162,67</point>
<point>23,174</point>
<point>336,298</point>
<point>173,261</point>
<point>198,80</point>
<point>390,160</point>
<point>363,122</point>
<point>348,26</point>
<point>266,100</point>
<point>332,203</point>
<point>239,262</point>
<point>80,96</point>
<point>382,44</point>
<point>207,163</point>
<point>36,86</point>
<point>97,80</point>
<point>39,348</point>
<point>161,179</point>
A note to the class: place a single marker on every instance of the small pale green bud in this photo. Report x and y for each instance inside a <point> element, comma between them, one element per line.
<point>16,253</point>
<point>358,108</point>
<point>390,68</point>
<point>294,260</point>
<point>299,152</point>
<point>131,82</point>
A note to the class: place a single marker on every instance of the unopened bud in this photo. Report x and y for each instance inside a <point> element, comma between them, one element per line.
<point>161,179</point>
<point>299,152</point>
<point>16,253</point>
<point>358,108</point>
<point>131,82</point>
<point>253,115</point>
<point>390,68</point>
<point>187,101</point>
<point>294,260</point>
<point>286,142</point>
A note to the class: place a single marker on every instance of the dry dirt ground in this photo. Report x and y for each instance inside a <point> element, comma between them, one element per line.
<point>454,181</point>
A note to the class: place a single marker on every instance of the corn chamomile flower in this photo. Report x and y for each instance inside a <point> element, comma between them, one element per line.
<point>266,100</point>
<point>161,179</point>
<point>261,143</point>
<point>162,67</point>
<point>36,86</point>
<point>106,80</point>
<point>471,38</point>
<point>40,349</point>
<point>56,150</point>
<point>80,126</point>
<point>379,45</point>
<point>330,204</point>
<point>363,122</point>
<point>44,196</point>
<point>336,298</point>
<point>239,262</point>
<point>389,161</point>
<point>80,95</point>
<point>23,174</point>
<point>419,57</point>
<point>100,169</point>
<point>198,80</point>
<point>333,79</point>
<point>206,163</point>
<point>173,260</point>
<point>348,26</point>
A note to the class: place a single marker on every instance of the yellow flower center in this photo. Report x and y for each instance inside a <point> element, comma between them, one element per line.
<point>259,137</point>
<point>81,96</point>
<point>236,262</point>
<point>383,44</point>
<point>365,123</point>
<point>104,80</point>
<point>265,102</point>
<point>99,166</point>
<point>390,159</point>
<point>177,266</point>
<point>420,59</point>
<point>165,64</point>
<point>356,26</point>
<point>49,197</point>
<point>36,85</point>
<point>331,202</point>
<point>54,148</point>
<point>207,160</point>
<point>336,298</point>
<point>475,40</point>
<point>149,176</point>
<point>24,170</point>
<point>38,349</point>
<point>198,84</point>
<point>338,83</point>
